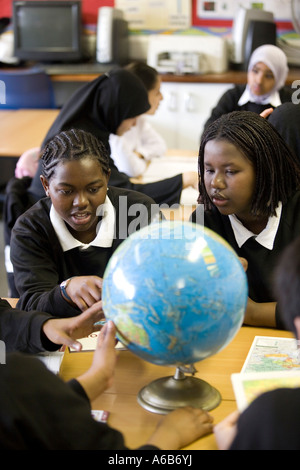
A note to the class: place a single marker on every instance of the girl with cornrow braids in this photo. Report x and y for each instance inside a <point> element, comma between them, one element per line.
<point>61,245</point>
<point>249,186</point>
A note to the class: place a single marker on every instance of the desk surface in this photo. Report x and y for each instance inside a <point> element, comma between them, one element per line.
<point>133,373</point>
<point>23,129</point>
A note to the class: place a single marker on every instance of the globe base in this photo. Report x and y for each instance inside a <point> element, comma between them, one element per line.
<point>169,393</point>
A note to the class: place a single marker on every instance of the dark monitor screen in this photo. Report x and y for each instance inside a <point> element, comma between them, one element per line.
<point>47,30</point>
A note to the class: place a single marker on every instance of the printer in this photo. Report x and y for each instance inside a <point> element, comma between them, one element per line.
<point>187,54</point>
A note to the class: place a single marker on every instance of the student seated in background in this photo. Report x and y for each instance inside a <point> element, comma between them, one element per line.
<point>133,151</point>
<point>40,411</point>
<point>249,185</point>
<point>265,88</point>
<point>272,421</point>
<point>61,245</point>
<point>109,105</point>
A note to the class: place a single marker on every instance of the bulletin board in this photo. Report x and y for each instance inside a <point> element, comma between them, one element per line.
<point>221,13</point>
<point>156,14</point>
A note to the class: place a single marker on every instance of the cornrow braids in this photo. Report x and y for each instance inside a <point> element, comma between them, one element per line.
<point>277,170</point>
<point>73,144</point>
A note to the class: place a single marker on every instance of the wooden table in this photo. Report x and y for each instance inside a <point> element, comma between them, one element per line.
<point>23,129</point>
<point>133,373</point>
<point>230,76</point>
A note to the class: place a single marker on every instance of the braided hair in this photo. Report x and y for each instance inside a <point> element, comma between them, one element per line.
<point>277,170</point>
<point>73,144</point>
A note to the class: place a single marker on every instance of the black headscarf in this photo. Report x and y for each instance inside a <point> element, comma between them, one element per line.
<point>286,119</point>
<point>99,107</point>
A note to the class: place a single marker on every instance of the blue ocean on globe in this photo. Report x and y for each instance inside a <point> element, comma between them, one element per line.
<point>176,292</point>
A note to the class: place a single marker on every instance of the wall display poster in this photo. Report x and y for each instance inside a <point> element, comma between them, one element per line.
<point>223,12</point>
<point>156,14</point>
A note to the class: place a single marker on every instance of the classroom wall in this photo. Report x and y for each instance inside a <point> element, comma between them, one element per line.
<point>209,22</point>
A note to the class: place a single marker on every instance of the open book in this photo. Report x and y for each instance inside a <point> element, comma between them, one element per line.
<point>271,363</point>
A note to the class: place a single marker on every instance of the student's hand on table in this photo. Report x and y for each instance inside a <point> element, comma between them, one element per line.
<point>181,427</point>
<point>99,376</point>
<point>225,431</point>
<point>67,330</point>
<point>84,291</point>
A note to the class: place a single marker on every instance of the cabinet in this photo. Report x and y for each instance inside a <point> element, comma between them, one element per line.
<point>184,110</point>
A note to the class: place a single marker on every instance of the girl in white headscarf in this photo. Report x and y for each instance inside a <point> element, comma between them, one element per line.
<point>265,88</point>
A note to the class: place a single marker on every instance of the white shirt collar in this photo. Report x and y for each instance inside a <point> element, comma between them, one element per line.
<point>273,99</point>
<point>105,229</point>
<point>265,238</point>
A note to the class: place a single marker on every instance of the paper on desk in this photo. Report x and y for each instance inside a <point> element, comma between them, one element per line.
<point>89,343</point>
<point>52,360</point>
<point>169,166</point>
<point>100,415</point>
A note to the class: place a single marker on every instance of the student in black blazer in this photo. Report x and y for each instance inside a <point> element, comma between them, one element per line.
<point>265,88</point>
<point>61,245</point>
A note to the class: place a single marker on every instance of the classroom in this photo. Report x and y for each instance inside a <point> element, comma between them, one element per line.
<point>150,230</point>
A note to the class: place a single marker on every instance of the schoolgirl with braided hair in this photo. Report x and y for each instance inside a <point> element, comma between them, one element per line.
<point>73,145</point>
<point>249,189</point>
<point>60,246</point>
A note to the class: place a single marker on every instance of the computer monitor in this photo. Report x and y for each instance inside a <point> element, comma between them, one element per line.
<point>47,31</point>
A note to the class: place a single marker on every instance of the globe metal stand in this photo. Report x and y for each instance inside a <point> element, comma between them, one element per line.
<point>168,393</point>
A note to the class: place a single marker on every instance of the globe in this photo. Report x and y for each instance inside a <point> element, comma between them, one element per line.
<point>176,292</point>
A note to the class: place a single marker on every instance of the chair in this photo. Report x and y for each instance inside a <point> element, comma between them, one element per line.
<point>31,88</point>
